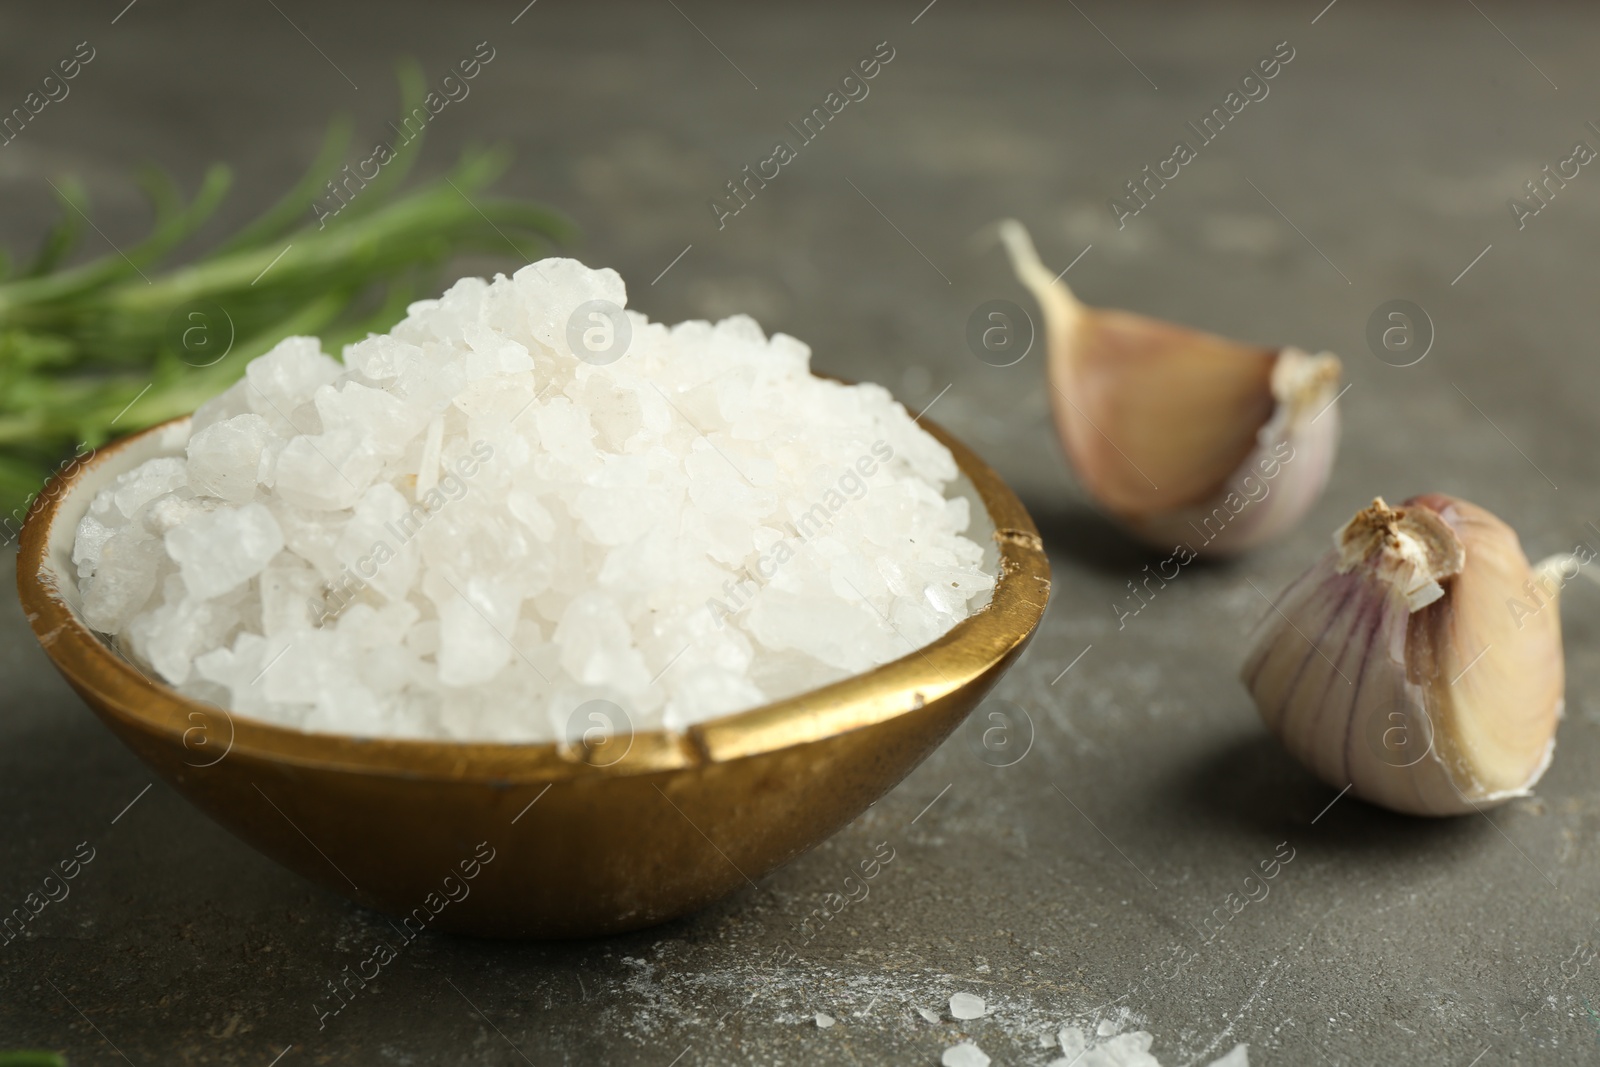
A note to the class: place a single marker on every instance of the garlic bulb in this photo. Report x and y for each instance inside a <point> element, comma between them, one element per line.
<point>1408,665</point>
<point>1180,434</point>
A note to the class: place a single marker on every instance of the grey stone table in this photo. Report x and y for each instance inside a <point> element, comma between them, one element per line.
<point>1378,167</point>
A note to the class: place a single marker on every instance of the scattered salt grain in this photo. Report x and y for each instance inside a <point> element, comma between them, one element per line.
<point>1124,1050</point>
<point>930,1016</point>
<point>825,1021</point>
<point>966,1006</point>
<point>1072,1042</point>
<point>965,1054</point>
<point>469,529</point>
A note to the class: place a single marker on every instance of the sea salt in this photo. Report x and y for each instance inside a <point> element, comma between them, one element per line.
<point>1073,1044</point>
<point>1124,1050</point>
<point>966,1006</point>
<point>475,527</point>
<point>217,551</point>
<point>965,1054</point>
<point>1110,1049</point>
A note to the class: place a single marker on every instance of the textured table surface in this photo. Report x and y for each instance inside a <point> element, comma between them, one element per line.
<point>1065,888</point>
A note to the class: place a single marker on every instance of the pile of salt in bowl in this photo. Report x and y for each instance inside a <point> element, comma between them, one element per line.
<point>522,500</point>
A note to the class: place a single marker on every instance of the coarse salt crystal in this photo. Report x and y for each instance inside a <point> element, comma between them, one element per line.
<point>91,537</point>
<point>225,457</point>
<point>1125,1050</point>
<point>279,385</point>
<point>219,550</point>
<point>1072,1042</point>
<point>965,1054</point>
<point>127,569</point>
<point>171,636</point>
<point>147,481</point>
<point>966,1006</point>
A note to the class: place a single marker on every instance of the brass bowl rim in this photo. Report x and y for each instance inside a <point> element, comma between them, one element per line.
<point>972,648</point>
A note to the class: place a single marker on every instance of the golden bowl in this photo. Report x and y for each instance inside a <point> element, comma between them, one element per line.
<point>541,840</point>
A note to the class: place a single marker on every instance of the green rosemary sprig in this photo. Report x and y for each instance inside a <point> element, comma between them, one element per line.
<point>97,350</point>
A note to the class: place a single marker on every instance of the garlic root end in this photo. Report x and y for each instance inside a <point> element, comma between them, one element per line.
<point>1414,547</point>
<point>1304,385</point>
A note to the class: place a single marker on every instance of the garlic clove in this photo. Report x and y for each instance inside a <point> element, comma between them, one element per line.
<point>1397,666</point>
<point>1168,426</point>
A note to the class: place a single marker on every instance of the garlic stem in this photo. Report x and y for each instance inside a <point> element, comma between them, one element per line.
<point>1061,307</point>
<point>1549,570</point>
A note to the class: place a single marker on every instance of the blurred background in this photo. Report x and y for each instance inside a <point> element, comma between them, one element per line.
<point>1378,167</point>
